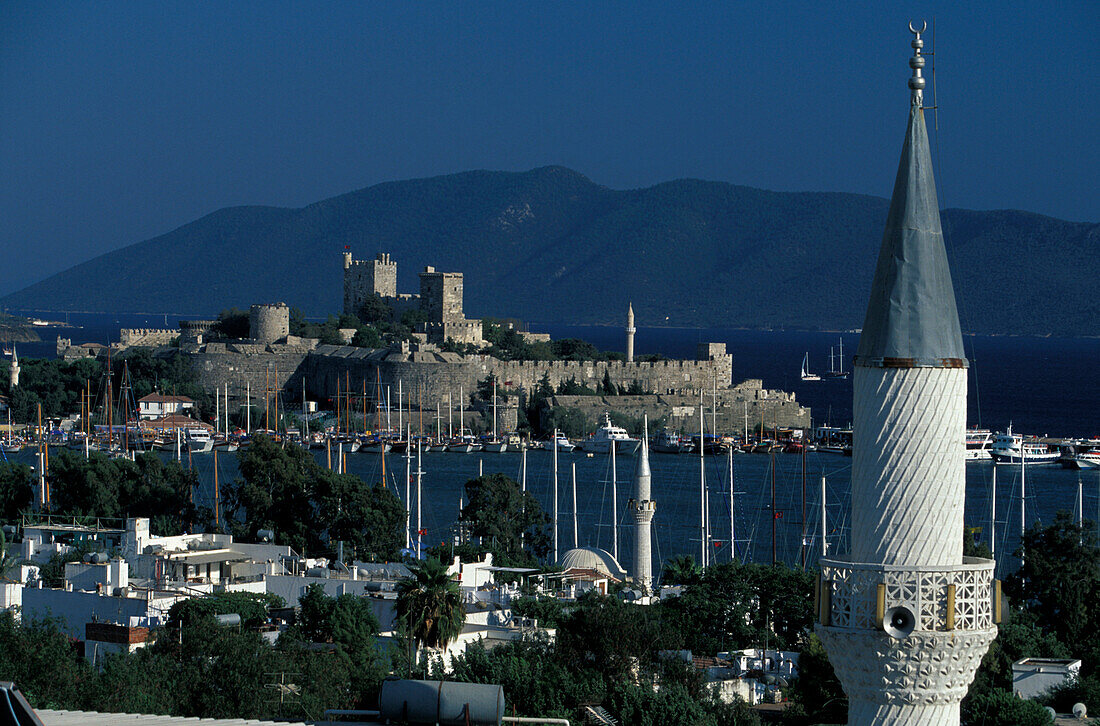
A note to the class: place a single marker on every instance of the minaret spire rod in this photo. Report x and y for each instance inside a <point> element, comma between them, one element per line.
<point>916,82</point>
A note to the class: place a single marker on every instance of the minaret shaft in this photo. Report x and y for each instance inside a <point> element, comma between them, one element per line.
<point>907,619</point>
<point>642,508</point>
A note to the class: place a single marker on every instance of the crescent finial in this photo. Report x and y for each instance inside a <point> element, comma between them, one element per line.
<point>923,27</point>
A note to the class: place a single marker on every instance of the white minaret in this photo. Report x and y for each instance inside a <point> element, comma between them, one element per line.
<point>642,509</point>
<point>14,367</point>
<point>630,330</point>
<point>907,620</point>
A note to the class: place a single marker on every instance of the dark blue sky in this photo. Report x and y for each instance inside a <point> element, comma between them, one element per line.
<point>120,121</point>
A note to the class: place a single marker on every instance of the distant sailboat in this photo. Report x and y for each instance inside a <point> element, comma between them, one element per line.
<point>836,371</point>
<point>806,375</point>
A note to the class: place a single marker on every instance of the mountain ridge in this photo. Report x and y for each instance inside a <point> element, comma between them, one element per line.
<point>551,245</point>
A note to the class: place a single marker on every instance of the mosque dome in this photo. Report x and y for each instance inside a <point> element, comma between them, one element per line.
<point>592,558</point>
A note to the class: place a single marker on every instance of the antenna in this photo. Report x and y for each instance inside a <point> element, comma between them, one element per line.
<point>935,101</point>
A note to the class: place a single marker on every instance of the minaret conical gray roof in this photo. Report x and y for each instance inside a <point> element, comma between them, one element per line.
<point>911,317</point>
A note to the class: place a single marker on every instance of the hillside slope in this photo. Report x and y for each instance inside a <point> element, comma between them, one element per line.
<point>550,245</point>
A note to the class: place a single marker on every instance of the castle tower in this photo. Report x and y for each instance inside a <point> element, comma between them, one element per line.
<point>907,620</point>
<point>642,509</point>
<point>14,367</point>
<point>630,330</point>
<point>364,278</point>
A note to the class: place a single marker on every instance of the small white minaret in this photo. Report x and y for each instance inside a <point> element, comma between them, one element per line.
<point>642,509</point>
<point>630,330</point>
<point>14,367</point>
<point>907,619</point>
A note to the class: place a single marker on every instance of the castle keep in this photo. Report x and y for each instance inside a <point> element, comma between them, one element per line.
<point>440,298</point>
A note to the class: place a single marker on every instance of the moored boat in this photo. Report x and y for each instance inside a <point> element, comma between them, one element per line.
<point>979,443</point>
<point>1008,448</point>
<point>608,435</point>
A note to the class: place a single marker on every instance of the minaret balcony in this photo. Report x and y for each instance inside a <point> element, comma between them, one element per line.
<point>907,637</point>
<point>859,596</point>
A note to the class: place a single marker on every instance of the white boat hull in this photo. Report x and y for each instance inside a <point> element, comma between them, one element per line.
<point>1029,460</point>
<point>626,447</point>
<point>497,447</point>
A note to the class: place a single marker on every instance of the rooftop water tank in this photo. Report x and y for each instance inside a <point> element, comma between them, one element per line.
<point>442,702</point>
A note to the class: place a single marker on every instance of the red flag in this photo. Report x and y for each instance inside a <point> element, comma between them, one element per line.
<point>779,515</point>
<point>422,532</point>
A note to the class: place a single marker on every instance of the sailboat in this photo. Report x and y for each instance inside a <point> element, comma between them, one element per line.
<point>806,375</point>
<point>495,445</point>
<point>836,372</point>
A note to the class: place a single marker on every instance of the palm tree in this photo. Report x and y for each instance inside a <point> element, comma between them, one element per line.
<point>430,605</point>
<point>680,570</point>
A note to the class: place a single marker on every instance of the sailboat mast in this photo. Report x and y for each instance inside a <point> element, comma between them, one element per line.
<point>733,530</point>
<point>408,483</point>
<point>217,494</point>
<point>493,380</point>
<point>803,540</point>
<point>614,505</point>
<point>993,517</point>
<point>555,507</point>
<point>248,408</point>
<point>774,513</point>
<point>419,475</point>
<point>702,491</point>
<point>1023,497</point>
<point>575,545</point>
<point>400,423</point>
<point>824,547</point>
<point>1080,504</point>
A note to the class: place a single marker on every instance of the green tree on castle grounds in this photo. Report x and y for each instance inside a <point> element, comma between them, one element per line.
<point>233,323</point>
<point>484,391</point>
<point>56,384</point>
<point>506,519</point>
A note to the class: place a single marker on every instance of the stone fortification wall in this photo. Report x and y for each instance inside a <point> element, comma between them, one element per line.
<point>741,406</point>
<point>436,375</point>
<point>150,337</point>
<point>247,364</point>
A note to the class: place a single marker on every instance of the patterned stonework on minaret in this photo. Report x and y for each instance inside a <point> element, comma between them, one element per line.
<point>630,330</point>
<point>642,509</point>
<point>907,619</point>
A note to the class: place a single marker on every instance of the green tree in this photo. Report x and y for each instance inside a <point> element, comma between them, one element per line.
<point>233,323</point>
<point>1058,582</point>
<point>38,657</point>
<point>1003,707</point>
<point>369,519</point>
<point>275,493</point>
<point>429,605</point>
<point>375,310</point>
<point>817,690</point>
<point>569,421</point>
<point>680,570</point>
<point>509,520</point>
<point>16,490</point>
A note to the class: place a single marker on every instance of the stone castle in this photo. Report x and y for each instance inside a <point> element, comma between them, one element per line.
<point>428,376</point>
<point>440,298</point>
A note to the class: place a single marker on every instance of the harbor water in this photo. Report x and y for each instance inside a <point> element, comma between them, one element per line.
<point>676,488</point>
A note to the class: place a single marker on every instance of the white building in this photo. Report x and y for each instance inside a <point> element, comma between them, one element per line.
<point>1032,677</point>
<point>156,405</point>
